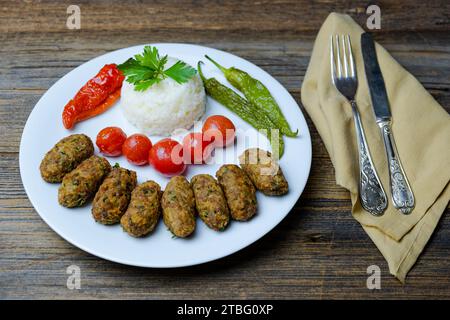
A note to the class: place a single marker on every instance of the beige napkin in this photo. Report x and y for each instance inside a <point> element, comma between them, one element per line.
<point>422,132</point>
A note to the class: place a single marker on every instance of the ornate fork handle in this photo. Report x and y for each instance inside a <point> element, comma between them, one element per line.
<point>372,195</point>
<point>402,195</point>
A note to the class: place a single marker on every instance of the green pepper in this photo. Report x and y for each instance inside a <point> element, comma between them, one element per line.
<point>235,103</point>
<point>257,94</point>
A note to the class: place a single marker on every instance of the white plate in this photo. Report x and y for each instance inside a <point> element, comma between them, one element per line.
<point>44,128</point>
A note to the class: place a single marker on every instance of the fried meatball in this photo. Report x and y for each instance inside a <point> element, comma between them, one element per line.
<point>210,202</point>
<point>143,211</point>
<point>65,156</point>
<point>80,185</point>
<point>264,171</point>
<point>178,207</point>
<point>239,191</point>
<point>113,196</point>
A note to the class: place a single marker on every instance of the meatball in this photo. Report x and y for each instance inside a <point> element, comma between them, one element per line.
<point>264,171</point>
<point>210,202</point>
<point>65,156</point>
<point>239,191</point>
<point>113,196</point>
<point>178,207</point>
<point>143,211</point>
<point>80,185</point>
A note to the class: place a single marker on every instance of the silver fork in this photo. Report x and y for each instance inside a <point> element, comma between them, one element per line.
<point>343,75</point>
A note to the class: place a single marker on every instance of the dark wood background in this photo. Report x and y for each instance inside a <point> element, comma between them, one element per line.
<point>318,251</point>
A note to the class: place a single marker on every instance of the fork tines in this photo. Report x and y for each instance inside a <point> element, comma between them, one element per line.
<point>340,44</point>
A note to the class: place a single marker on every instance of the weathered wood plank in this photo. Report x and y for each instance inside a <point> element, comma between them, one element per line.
<point>257,16</point>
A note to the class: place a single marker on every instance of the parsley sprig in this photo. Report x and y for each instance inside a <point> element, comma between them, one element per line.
<point>147,69</point>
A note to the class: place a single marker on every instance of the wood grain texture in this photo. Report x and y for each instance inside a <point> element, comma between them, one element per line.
<point>318,251</point>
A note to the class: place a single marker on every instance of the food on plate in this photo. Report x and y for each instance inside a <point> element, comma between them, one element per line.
<point>161,94</point>
<point>68,153</point>
<point>81,184</point>
<point>110,140</point>
<point>239,191</point>
<point>178,207</point>
<point>257,94</point>
<point>220,130</point>
<point>264,172</point>
<point>235,103</point>
<point>95,97</point>
<point>143,211</point>
<point>210,202</point>
<point>195,149</point>
<point>166,156</point>
<point>113,196</point>
<point>136,148</point>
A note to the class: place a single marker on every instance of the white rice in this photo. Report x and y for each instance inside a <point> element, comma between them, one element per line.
<point>164,107</point>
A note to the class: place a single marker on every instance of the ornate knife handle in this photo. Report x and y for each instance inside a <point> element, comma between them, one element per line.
<point>402,195</point>
<point>372,195</point>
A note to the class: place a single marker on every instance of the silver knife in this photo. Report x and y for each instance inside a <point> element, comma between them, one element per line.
<point>402,195</point>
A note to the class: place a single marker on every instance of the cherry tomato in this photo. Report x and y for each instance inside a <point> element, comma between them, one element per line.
<point>166,156</point>
<point>220,130</point>
<point>136,149</point>
<point>195,149</point>
<point>110,141</point>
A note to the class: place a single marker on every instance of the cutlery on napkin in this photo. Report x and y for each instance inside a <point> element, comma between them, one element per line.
<point>422,134</point>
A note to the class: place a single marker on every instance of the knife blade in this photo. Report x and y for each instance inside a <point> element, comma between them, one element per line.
<point>375,81</point>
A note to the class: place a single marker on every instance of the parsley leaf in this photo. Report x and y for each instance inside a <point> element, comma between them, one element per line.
<point>135,71</point>
<point>147,69</point>
<point>180,72</point>
<point>150,57</point>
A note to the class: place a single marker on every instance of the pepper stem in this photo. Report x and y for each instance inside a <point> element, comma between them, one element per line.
<point>200,71</point>
<point>223,69</point>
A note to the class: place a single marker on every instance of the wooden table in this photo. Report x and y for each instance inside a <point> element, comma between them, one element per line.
<point>318,251</point>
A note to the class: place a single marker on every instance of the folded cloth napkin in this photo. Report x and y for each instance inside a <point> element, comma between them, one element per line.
<point>421,128</point>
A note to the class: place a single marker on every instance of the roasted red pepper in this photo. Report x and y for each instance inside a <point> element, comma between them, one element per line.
<point>95,97</point>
